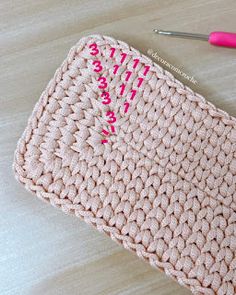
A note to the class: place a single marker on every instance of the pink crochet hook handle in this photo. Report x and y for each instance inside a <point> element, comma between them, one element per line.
<point>222,39</point>
<point>225,39</point>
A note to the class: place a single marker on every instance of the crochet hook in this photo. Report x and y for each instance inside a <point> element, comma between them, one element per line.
<point>225,39</point>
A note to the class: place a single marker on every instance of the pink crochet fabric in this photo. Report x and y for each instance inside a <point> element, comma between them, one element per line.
<point>122,144</point>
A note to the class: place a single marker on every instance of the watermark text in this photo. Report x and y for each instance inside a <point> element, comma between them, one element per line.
<point>155,55</point>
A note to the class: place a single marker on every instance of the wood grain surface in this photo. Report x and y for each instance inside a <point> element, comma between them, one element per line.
<point>42,250</point>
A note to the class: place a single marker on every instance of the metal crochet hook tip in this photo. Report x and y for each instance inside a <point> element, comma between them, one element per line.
<point>161,32</point>
<point>182,35</point>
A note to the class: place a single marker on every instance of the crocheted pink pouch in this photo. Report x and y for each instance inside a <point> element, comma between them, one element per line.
<point>122,144</point>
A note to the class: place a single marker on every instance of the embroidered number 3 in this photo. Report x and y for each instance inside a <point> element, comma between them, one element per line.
<point>112,117</point>
<point>103,82</point>
<point>98,66</point>
<point>106,98</point>
<point>94,49</point>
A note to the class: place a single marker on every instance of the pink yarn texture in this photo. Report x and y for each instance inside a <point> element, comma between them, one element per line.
<point>162,183</point>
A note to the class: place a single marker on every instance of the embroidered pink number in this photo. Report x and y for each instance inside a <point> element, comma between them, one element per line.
<point>98,67</point>
<point>128,74</point>
<point>112,49</point>
<point>126,104</point>
<point>146,69</point>
<point>123,56</point>
<point>133,93</point>
<point>113,129</point>
<point>106,133</point>
<point>104,141</point>
<point>106,98</point>
<point>103,82</point>
<point>136,61</point>
<point>112,117</point>
<point>122,89</point>
<point>116,67</point>
<point>140,81</point>
<point>94,48</point>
